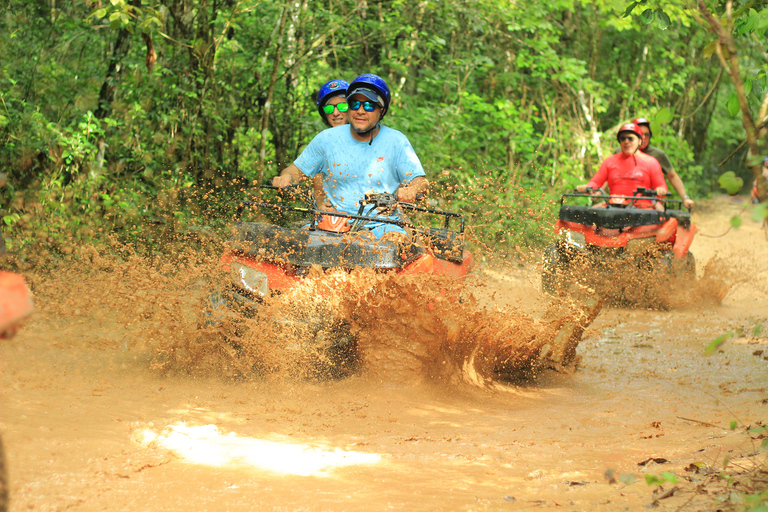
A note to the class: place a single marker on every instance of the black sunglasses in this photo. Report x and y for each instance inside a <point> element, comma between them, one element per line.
<point>629,138</point>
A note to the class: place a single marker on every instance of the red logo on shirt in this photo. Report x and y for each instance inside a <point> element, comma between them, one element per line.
<point>381,159</point>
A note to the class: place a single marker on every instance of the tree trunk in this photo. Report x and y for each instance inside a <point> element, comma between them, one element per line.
<point>108,88</point>
<point>731,64</point>
<point>270,93</point>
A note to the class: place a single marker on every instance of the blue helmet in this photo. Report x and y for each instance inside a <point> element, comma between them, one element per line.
<point>372,87</point>
<point>329,90</point>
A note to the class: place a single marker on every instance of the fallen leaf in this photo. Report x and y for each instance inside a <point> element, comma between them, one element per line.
<point>657,460</point>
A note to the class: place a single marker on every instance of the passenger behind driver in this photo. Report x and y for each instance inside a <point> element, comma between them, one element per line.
<point>666,164</point>
<point>629,170</point>
<point>333,107</point>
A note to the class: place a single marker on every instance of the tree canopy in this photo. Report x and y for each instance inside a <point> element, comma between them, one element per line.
<point>132,110</point>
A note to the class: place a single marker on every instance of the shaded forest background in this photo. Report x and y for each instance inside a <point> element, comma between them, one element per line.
<point>145,118</point>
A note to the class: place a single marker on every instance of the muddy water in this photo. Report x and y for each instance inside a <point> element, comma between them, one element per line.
<point>89,425</point>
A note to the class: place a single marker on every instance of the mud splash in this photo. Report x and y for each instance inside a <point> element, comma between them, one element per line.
<point>400,328</point>
<point>648,288</point>
<point>413,326</point>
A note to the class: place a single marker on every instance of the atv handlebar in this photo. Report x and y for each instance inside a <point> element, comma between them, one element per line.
<point>383,201</point>
<point>640,193</point>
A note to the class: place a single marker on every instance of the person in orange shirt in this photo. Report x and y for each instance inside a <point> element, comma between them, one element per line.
<point>629,170</point>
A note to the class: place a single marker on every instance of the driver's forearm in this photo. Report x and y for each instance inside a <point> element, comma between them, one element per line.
<point>293,172</point>
<point>676,183</point>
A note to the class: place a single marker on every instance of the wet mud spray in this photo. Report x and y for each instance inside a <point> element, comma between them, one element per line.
<point>403,328</point>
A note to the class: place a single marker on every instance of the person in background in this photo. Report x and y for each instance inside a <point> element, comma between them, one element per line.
<point>332,106</point>
<point>755,196</point>
<point>666,165</point>
<point>629,170</point>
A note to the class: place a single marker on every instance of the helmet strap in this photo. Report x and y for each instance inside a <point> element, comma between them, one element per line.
<point>366,132</point>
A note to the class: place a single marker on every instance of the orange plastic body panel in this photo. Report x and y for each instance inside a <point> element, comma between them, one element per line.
<point>608,237</point>
<point>276,274</point>
<point>334,224</point>
<point>666,230</point>
<point>683,239</point>
<point>428,264</point>
<point>670,231</point>
<point>15,302</point>
<point>280,280</point>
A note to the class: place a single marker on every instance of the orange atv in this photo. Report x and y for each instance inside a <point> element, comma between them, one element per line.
<point>264,259</point>
<point>605,239</point>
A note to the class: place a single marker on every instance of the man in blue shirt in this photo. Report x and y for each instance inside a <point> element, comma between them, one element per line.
<point>362,157</point>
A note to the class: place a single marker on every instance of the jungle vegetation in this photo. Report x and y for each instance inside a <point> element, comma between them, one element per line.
<point>141,118</point>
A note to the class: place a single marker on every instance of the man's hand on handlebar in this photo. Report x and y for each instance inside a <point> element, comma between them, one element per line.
<point>282,181</point>
<point>408,194</point>
<point>288,176</point>
<point>589,190</point>
<point>661,191</point>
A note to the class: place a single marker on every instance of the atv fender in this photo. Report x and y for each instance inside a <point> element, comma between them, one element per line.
<point>666,230</point>
<point>429,264</point>
<point>683,240</point>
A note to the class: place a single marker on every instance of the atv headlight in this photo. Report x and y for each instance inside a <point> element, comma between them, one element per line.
<point>252,280</point>
<point>575,238</point>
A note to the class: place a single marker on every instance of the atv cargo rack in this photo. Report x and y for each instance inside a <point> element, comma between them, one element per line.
<point>309,245</point>
<point>377,201</point>
<point>621,216</point>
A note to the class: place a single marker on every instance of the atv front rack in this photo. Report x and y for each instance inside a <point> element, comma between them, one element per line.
<point>620,216</point>
<point>379,201</point>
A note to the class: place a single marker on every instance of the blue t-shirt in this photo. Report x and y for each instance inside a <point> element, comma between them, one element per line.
<point>352,168</point>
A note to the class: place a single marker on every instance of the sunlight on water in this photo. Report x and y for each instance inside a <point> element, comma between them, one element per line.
<point>206,445</point>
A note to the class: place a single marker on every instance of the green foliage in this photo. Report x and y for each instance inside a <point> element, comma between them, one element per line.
<point>760,212</point>
<point>730,182</point>
<point>663,478</point>
<point>108,101</point>
<point>717,343</point>
<point>739,35</point>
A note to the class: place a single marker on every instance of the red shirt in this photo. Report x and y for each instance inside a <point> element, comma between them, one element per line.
<point>625,174</point>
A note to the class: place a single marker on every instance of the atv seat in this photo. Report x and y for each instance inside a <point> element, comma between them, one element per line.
<point>613,218</point>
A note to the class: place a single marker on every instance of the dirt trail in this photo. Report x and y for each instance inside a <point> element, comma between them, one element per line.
<point>88,426</point>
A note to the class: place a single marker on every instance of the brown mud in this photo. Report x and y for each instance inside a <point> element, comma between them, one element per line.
<point>112,399</point>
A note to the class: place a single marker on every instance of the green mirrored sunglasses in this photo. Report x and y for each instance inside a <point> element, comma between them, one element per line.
<point>343,107</point>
